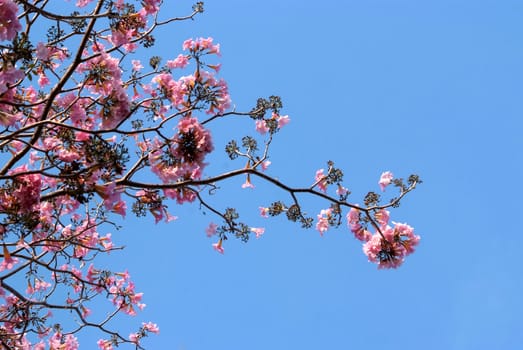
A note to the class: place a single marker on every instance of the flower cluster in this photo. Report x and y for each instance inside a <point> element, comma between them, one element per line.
<point>388,246</point>
<point>9,24</point>
<point>182,157</point>
<point>104,78</point>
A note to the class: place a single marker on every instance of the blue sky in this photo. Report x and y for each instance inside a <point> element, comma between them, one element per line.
<point>426,87</point>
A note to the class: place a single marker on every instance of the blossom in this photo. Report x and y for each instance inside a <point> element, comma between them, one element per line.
<point>151,6</point>
<point>9,75</point>
<point>283,120</point>
<point>218,246</point>
<point>201,44</point>
<point>382,216</point>
<point>137,65</point>
<point>258,231</point>
<point>382,252</point>
<point>211,229</point>
<point>320,180</point>
<point>43,80</point>
<point>248,183</point>
<point>83,3</point>
<point>105,344</point>
<point>385,179</point>
<point>103,71</point>
<point>111,195</point>
<point>179,62</point>
<point>39,285</point>
<point>405,234</point>
<point>9,24</point>
<point>7,119</point>
<point>134,338</point>
<point>353,219</point>
<point>265,164</point>
<point>261,126</point>
<point>389,248</point>
<point>151,327</point>
<point>353,222</point>
<point>27,190</point>
<point>8,262</point>
<point>264,212</point>
<point>323,220</point>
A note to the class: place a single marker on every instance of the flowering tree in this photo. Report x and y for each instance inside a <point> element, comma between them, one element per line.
<point>83,124</point>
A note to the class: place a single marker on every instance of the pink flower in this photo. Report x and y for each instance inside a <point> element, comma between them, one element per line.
<point>83,3</point>
<point>390,249</point>
<point>43,80</point>
<point>353,222</point>
<point>322,185</point>
<point>283,120</point>
<point>258,231</point>
<point>264,212</point>
<point>211,230</point>
<point>151,327</point>
<point>134,338</point>
<point>28,189</point>
<point>247,183</point>
<point>382,216</point>
<point>405,234</point>
<point>112,198</point>
<point>187,44</point>
<point>9,75</point>
<point>382,252</point>
<point>385,180</point>
<point>137,65</point>
<point>151,6</point>
<point>105,344</point>
<point>341,191</point>
<point>353,219</point>
<point>9,24</point>
<point>323,220</point>
<point>7,119</point>
<point>120,208</point>
<point>218,246</point>
<point>261,126</point>
<point>202,44</point>
<point>180,62</point>
<point>265,164</point>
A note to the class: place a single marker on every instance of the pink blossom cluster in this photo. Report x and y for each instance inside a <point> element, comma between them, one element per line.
<point>353,222</point>
<point>9,24</point>
<point>112,198</point>
<point>175,91</point>
<point>179,62</point>
<point>388,246</point>
<point>221,100</point>
<point>320,180</point>
<point>104,78</point>
<point>129,28</point>
<point>24,195</point>
<point>385,179</point>
<point>201,46</point>
<point>282,120</point>
<point>324,217</point>
<point>153,201</point>
<point>118,286</point>
<point>9,75</point>
<point>182,158</point>
<point>181,92</point>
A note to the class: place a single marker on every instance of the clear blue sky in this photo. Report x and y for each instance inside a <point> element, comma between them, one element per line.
<point>427,87</point>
